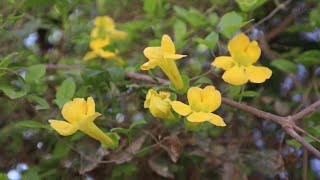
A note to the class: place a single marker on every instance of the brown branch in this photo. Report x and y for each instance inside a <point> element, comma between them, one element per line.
<point>305,112</point>
<point>270,15</point>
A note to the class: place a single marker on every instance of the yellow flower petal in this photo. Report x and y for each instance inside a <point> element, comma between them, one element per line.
<point>148,65</point>
<point>258,74</point>
<point>216,120</point>
<point>253,51</point>
<point>92,130</point>
<point>167,45</point>
<point>195,98</point>
<point>211,99</point>
<point>104,21</point>
<point>174,56</point>
<point>74,110</point>
<point>238,44</point>
<point>62,127</point>
<point>99,43</point>
<point>153,52</point>
<point>106,54</point>
<point>224,62</point>
<point>89,55</point>
<point>116,34</point>
<point>181,108</point>
<point>91,107</point>
<point>235,76</point>
<point>199,117</point>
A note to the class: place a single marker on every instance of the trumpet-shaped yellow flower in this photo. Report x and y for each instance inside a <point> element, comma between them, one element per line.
<point>201,103</point>
<point>239,68</point>
<point>164,57</point>
<point>80,115</point>
<point>159,104</point>
<point>98,51</point>
<point>105,28</point>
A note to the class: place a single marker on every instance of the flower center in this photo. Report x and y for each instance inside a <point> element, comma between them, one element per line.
<point>242,59</point>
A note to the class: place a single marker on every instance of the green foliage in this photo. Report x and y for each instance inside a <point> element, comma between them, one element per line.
<point>231,22</point>
<point>284,65</point>
<point>35,72</point>
<point>309,58</point>
<point>65,92</point>
<point>249,5</point>
<point>34,124</point>
<point>3,176</point>
<point>210,41</point>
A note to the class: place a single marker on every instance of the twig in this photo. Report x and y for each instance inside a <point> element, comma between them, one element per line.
<point>310,109</point>
<point>270,15</point>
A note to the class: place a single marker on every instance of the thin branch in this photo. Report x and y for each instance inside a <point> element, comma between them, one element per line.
<point>310,109</point>
<point>270,15</point>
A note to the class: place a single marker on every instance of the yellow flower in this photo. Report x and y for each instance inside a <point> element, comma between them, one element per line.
<point>159,104</point>
<point>239,67</point>
<point>80,115</point>
<point>201,103</point>
<point>97,50</point>
<point>164,57</point>
<point>105,28</point>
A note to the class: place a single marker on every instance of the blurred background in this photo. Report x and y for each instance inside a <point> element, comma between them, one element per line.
<point>42,45</point>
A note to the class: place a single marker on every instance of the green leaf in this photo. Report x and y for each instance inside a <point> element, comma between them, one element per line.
<point>124,170</point>
<point>213,19</point>
<point>116,74</point>
<point>3,176</point>
<point>65,92</point>
<point>11,93</point>
<point>35,72</point>
<point>284,65</point>
<point>230,23</point>
<point>41,102</point>
<point>120,130</point>
<point>248,94</point>
<point>5,62</point>
<point>150,6</point>
<point>137,122</point>
<point>60,150</point>
<point>203,80</point>
<point>249,5</point>
<point>294,143</point>
<point>210,41</point>
<point>309,58</point>
<point>33,124</point>
<point>233,90</point>
<point>115,137</point>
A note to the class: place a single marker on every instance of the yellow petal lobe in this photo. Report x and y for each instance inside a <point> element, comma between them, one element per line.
<point>74,110</point>
<point>181,108</point>
<point>167,45</point>
<point>211,99</point>
<point>216,120</point>
<point>62,127</point>
<point>253,51</point>
<point>235,76</point>
<point>238,44</point>
<point>258,74</point>
<point>223,62</point>
<point>199,117</point>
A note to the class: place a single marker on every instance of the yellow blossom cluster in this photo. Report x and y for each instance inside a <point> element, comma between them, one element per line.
<point>102,36</point>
